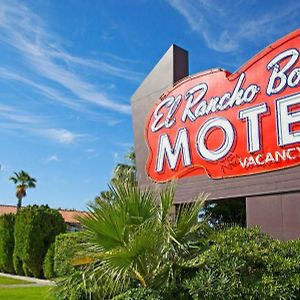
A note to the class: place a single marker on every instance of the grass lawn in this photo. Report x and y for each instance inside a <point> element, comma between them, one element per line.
<point>26,293</point>
<point>7,280</point>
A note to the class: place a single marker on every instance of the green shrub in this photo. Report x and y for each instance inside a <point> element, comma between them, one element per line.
<point>246,264</point>
<point>48,265</point>
<point>7,223</point>
<point>35,230</point>
<point>65,248</point>
<point>140,294</point>
<point>18,265</point>
<point>74,287</point>
<point>26,269</point>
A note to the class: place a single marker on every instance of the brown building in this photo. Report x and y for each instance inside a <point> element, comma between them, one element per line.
<point>70,216</point>
<point>272,199</point>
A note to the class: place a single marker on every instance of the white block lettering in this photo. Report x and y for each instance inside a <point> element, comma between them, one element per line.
<point>172,154</point>
<point>285,118</point>
<point>253,130</point>
<point>213,155</point>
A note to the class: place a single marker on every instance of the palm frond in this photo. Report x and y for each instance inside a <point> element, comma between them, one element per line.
<point>15,180</point>
<point>187,217</point>
<point>166,197</point>
<point>132,241</point>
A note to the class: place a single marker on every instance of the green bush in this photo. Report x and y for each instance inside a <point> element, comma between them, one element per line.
<point>246,264</point>
<point>65,248</point>
<point>48,265</point>
<point>18,265</point>
<point>75,287</point>
<point>7,223</point>
<point>26,269</point>
<point>35,230</point>
<point>140,294</point>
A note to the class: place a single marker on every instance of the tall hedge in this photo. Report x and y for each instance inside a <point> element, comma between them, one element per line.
<point>66,245</point>
<point>49,262</point>
<point>7,223</point>
<point>35,230</point>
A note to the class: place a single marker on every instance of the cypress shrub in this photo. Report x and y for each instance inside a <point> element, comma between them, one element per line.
<point>35,230</point>
<point>49,262</point>
<point>26,270</point>
<point>7,223</point>
<point>66,245</point>
<point>18,266</point>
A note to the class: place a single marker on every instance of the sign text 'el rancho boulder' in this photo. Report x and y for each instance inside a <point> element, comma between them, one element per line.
<point>225,125</point>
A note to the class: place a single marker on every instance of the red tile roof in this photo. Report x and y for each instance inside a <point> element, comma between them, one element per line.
<point>7,209</point>
<point>68,215</point>
<point>71,215</point>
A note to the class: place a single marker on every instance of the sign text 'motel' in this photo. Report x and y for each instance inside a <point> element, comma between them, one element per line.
<point>227,124</point>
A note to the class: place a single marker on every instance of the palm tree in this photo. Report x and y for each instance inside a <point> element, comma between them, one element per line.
<point>126,171</point>
<point>122,172</point>
<point>133,241</point>
<point>23,181</point>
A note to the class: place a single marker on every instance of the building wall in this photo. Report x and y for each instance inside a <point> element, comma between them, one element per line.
<point>172,67</point>
<point>277,214</point>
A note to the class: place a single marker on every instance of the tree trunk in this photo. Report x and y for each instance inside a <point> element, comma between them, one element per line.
<point>19,204</point>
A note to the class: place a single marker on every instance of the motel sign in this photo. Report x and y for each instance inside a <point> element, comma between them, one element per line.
<point>228,125</point>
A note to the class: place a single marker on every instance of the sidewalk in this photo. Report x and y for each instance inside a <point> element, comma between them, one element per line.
<point>33,281</point>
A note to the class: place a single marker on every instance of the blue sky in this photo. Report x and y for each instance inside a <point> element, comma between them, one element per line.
<point>68,69</point>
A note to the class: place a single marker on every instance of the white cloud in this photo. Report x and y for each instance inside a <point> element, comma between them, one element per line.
<point>101,66</point>
<point>55,96</point>
<point>113,122</point>
<point>89,150</point>
<point>59,135</point>
<point>224,26</point>
<point>3,167</point>
<point>47,91</point>
<point>116,156</point>
<point>20,121</point>
<point>91,153</point>
<point>51,158</point>
<point>12,114</point>
<point>62,136</point>
<point>25,32</point>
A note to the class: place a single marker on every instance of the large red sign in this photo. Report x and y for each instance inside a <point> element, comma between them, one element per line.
<point>225,124</point>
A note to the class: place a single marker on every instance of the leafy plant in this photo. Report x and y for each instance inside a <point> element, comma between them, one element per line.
<point>35,230</point>
<point>139,294</point>
<point>48,265</point>
<point>18,265</point>
<point>66,245</point>
<point>7,223</point>
<point>134,241</point>
<point>246,264</point>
